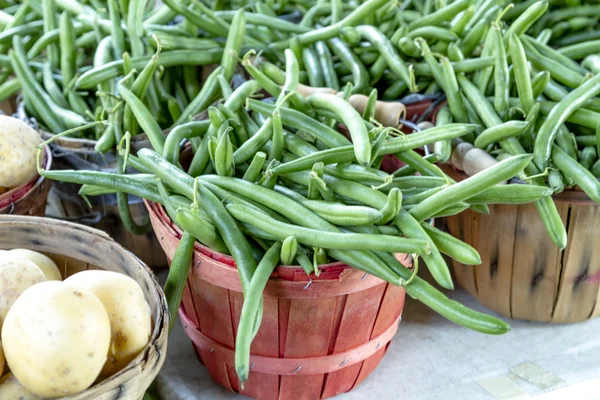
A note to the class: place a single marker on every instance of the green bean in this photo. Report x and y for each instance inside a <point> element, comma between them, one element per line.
<point>112,70</point>
<point>472,38</point>
<point>31,88</point>
<point>50,24</point>
<point>253,172</point>
<point>471,186</point>
<point>500,132</point>
<point>301,121</point>
<point>289,247</point>
<point>277,139</point>
<point>587,157</point>
<point>177,278</point>
<point>558,71</point>
<point>466,65</point>
<point>444,14</point>
<point>501,78</point>
<point>558,115</point>
<point>255,143</point>
<point>420,290</point>
<point>250,310</point>
<point>526,20</point>
<point>343,215</point>
<point>233,44</point>
<point>582,177</point>
<point>395,63</point>
<point>524,87</point>
<point>52,88</point>
<point>351,118</point>
<point>205,234</point>
<point>455,100</point>
<point>312,67</point>
<point>452,247</point>
<point>144,117</point>
<point>67,47</point>
<point>443,148</point>
<point>186,131</point>
<point>314,237</point>
<point>360,75</point>
<point>420,164</point>
<point>205,97</point>
<point>539,83</point>
<point>555,181</point>
<point>325,59</point>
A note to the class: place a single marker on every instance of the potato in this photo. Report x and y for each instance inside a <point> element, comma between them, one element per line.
<point>18,152</point>
<point>56,337</point>
<point>128,311</point>
<point>11,389</point>
<point>48,267</point>
<point>16,275</point>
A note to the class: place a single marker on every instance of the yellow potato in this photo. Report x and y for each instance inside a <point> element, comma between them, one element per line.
<point>48,267</point>
<point>56,337</point>
<point>18,152</point>
<point>16,275</point>
<point>11,389</point>
<point>128,311</point>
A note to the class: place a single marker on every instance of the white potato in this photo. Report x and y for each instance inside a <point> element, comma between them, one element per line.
<point>128,311</point>
<point>16,275</point>
<point>45,263</point>
<point>56,337</point>
<point>11,389</point>
<point>18,152</point>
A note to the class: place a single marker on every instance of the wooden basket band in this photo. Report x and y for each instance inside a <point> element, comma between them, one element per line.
<point>290,366</point>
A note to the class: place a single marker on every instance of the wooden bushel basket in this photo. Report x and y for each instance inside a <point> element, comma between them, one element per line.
<point>523,274</point>
<point>29,198</point>
<point>76,248</point>
<point>319,337</point>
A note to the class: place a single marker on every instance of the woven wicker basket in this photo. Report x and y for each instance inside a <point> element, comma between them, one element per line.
<point>75,248</point>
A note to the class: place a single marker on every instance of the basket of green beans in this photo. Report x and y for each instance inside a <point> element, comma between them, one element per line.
<point>538,94</point>
<point>278,182</point>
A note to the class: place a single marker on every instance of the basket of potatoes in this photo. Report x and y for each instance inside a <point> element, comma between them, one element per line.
<point>22,190</point>
<point>80,317</point>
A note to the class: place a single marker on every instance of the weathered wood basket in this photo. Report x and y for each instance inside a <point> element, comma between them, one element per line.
<point>30,198</point>
<point>318,337</point>
<point>523,274</point>
<point>75,248</point>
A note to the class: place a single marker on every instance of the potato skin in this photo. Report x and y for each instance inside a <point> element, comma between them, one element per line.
<point>48,267</point>
<point>11,389</point>
<point>16,275</point>
<point>18,152</point>
<point>56,338</point>
<point>129,314</point>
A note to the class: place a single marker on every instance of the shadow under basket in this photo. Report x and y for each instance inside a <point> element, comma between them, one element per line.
<point>523,274</point>
<point>319,336</point>
<point>29,198</point>
<point>76,248</point>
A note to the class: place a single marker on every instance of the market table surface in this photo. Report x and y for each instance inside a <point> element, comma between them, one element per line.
<point>430,358</point>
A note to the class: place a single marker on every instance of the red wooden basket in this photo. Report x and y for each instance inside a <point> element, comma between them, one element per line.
<point>319,337</point>
<point>29,198</point>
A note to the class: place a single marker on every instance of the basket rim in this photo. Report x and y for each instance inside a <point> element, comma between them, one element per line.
<point>16,194</point>
<point>158,337</point>
<point>166,221</point>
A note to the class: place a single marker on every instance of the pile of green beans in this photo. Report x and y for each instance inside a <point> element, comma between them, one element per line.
<point>278,181</point>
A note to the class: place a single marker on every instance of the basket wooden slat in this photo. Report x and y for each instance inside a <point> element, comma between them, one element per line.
<point>76,248</point>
